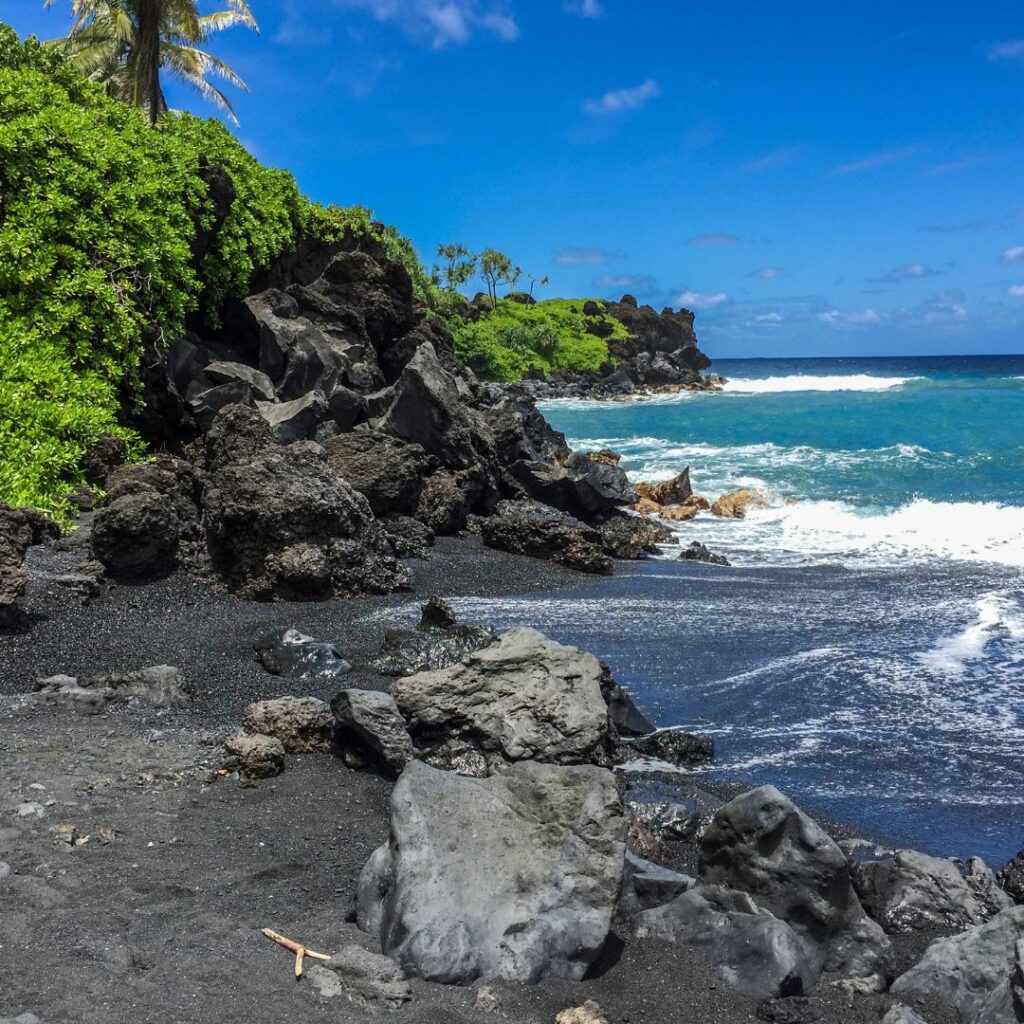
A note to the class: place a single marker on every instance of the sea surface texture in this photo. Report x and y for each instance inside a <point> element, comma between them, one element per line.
<point>865,652</point>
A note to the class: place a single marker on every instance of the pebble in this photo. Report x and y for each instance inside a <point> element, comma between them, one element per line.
<point>486,1000</point>
<point>30,809</point>
<point>5,869</point>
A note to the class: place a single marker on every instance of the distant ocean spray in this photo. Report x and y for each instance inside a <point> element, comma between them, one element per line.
<point>866,650</point>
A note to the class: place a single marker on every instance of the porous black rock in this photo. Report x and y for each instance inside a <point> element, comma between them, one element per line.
<point>697,552</point>
<point>438,641</point>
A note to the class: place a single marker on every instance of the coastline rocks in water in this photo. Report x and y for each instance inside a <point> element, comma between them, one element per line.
<point>577,484</point>
<point>514,877</point>
<point>905,891</point>
<point>631,537</point>
<point>684,749</point>
<point>437,642</point>
<point>605,456</point>
<point>159,686</point>
<point>281,525</point>
<point>524,697</point>
<point>735,504</point>
<point>762,844</point>
<point>980,972</point>
<point>258,757</point>
<point>754,952</point>
<point>623,714</point>
<point>1011,878</point>
<point>529,528</point>
<point>151,513</point>
<point>676,491</point>
<point>370,729</point>
<point>386,471</point>
<point>302,724</point>
<point>697,552</point>
<point>287,652</point>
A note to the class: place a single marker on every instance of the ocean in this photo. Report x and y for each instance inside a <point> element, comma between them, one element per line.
<point>865,651</point>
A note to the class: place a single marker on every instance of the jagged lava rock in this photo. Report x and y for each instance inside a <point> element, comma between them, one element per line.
<point>385,470</point>
<point>735,504</point>
<point>437,642</point>
<point>370,728</point>
<point>259,757</point>
<point>514,877</point>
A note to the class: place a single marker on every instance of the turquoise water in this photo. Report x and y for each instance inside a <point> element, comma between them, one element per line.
<point>866,650</point>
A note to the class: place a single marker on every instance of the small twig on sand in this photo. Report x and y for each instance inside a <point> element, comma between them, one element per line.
<point>297,948</point>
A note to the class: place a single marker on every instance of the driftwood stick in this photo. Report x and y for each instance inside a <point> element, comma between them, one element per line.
<point>297,948</point>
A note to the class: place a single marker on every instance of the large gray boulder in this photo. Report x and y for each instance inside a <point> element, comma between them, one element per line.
<point>370,729</point>
<point>980,973</point>
<point>525,697</point>
<point>905,891</point>
<point>514,877</point>
<point>754,952</point>
<point>763,844</point>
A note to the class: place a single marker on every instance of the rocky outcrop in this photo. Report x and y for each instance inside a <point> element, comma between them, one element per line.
<point>254,755</point>
<point>697,552</point>
<point>684,749</point>
<point>1011,878</point>
<point>980,972</point>
<point>524,697</point>
<point>530,528</point>
<point>386,471</point>
<point>527,892</point>
<point>632,537</point>
<point>281,524</point>
<point>159,686</point>
<point>19,530</point>
<point>905,891</point>
<point>760,843</point>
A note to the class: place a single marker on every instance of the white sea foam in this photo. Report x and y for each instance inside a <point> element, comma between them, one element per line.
<point>807,382</point>
<point>997,615</point>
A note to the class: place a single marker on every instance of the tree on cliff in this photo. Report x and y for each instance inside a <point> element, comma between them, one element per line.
<point>124,45</point>
<point>496,269</point>
<point>457,267</point>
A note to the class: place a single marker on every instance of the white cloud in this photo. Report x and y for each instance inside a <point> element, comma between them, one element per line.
<point>875,160</point>
<point>441,22</point>
<point>582,256</point>
<point>838,318</point>
<point>1012,50</point>
<point>768,319</point>
<point>766,273</point>
<point>908,272</point>
<point>635,282</point>
<point>768,162</point>
<point>1016,290</point>
<point>1015,254</point>
<point>618,101</point>
<point>585,8</point>
<point>701,300</point>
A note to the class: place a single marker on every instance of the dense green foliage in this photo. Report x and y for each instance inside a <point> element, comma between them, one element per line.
<point>98,213</point>
<point>515,337</point>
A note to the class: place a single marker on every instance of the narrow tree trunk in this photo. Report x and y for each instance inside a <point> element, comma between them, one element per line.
<point>148,47</point>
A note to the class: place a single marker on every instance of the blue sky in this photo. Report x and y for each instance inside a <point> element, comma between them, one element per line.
<point>812,179</point>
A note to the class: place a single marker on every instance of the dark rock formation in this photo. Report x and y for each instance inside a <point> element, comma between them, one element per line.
<point>631,537</point>
<point>16,537</point>
<point>697,552</point>
<point>1012,878</point>
<point>530,528</point>
<point>437,642</point>
<point>287,652</point>
<point>685,749</point>
<point>646,885</point>
<point>386,471</point>
<point>527,892</point>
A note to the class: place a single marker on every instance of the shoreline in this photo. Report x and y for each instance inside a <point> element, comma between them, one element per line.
<point>138,788</point>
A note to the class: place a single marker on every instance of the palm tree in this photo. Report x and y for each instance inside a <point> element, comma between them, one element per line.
<point>123,44</point>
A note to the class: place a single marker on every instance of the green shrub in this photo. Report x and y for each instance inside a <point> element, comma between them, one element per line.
<point>97,215</point>
<point>514,337</point>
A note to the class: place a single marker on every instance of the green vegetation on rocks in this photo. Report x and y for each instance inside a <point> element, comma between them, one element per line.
<point>515,337</point>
